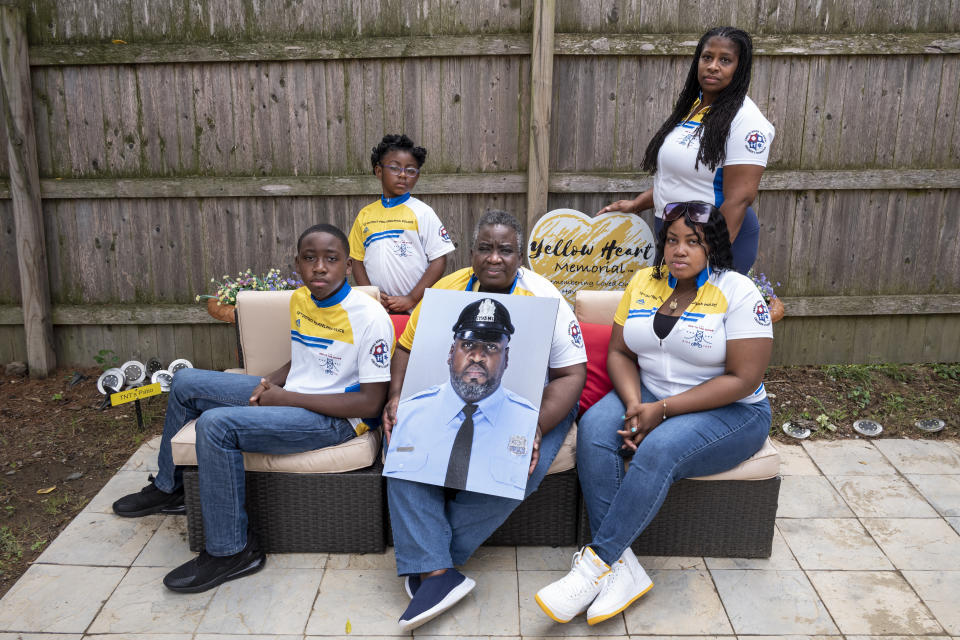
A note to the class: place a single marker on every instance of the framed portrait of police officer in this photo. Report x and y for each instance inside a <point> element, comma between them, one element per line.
<point>471,396</point>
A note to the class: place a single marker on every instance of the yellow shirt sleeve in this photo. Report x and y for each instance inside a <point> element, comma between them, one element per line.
<point>620,317</point>
<point>406,338</point>
<point>356,239</point>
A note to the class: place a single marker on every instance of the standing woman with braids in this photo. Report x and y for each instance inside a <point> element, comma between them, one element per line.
<point>715,144</point>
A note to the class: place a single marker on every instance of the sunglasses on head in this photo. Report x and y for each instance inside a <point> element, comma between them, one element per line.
<point>698,212</point>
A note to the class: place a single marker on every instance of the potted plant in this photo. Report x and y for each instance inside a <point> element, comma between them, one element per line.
<point>766,290</point>
<point>222,305</point>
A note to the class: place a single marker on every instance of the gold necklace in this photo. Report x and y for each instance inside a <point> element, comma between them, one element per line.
<point>674,303</point>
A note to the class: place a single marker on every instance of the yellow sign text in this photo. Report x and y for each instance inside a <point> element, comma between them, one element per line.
<point>136,393</point>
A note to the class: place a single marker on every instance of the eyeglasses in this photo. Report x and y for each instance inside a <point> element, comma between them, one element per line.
<point>410,172</point>
<point>698,212</point>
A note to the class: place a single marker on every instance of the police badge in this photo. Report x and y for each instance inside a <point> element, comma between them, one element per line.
<point>517,445</point>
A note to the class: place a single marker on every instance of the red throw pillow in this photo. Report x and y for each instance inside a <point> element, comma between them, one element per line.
<point>596,339</point>
<point>399,324</point>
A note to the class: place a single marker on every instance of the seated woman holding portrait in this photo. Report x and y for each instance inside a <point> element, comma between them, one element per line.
<point>701,335</point>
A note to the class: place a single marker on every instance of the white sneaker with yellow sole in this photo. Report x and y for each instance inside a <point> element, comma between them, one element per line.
<point>625,584</point>
<point>572,594</point>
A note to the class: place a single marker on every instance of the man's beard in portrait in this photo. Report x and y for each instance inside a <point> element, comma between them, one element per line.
<point>473,391</point>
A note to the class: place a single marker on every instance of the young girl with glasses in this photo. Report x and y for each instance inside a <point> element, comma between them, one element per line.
<point>398,243</point>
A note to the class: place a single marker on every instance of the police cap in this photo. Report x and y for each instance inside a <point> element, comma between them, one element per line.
<point>484,319</point>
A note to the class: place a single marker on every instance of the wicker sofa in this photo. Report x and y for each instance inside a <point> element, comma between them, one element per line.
<point>332,500</point>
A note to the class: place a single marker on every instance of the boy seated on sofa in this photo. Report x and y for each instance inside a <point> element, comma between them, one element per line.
<point>340,342</point>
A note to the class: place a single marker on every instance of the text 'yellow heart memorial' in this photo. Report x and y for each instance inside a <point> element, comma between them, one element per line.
<point>575,251</point>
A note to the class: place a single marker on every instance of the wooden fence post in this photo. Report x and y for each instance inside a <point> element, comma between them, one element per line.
<point>17,104</point>
<point>541,95</point>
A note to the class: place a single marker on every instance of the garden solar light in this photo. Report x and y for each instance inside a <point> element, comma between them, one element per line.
<point>868,427</point>
<point>179,363</point>
<point>110,381</point>
<point>164,377</point>
<point>134,372</point>
<point>153,365</point>
<point>930,425</point>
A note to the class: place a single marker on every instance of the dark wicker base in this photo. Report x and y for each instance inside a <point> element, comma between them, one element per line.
<point>712,518</point>
<point>548,517</point>
<point>305,513</point>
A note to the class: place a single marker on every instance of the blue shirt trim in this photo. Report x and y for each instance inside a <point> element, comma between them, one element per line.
<point>392,202</point>
<point>334,298</point>
<point>718,188</point>
<point>382,235</point>
<point>473,280</point>
<point>701,278</point>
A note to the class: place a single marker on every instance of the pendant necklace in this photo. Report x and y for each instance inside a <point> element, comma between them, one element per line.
<point>674,304</point>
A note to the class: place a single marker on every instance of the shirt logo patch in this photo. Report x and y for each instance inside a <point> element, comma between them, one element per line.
<point>576,336</point>
<point>755,142</point>
<point>517,445</point>
<point>444,235</point>
<point>761,314</point>
<point>699,337</point>
<point>402,248</point>
<point>330,364</point>
<point>380,353</point>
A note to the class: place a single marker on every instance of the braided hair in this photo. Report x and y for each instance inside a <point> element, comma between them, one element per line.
<point>713,234</point>
<point>716,122</point>
<point>397,142</point>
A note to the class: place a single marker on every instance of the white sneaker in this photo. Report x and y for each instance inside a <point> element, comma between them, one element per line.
<point>572,594</point>
<point>627,582</point>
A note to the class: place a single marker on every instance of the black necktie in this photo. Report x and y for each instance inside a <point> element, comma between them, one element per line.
<point>460,453</point>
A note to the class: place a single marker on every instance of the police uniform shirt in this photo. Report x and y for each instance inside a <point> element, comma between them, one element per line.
<point>566,346</point>
<point>728,306</point>
<point>396,238</point>
<point>337,343</point>
<point>678,179</point>
<point>503,428</point>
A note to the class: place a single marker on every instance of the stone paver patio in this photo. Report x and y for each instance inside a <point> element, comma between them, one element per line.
<point>867,544</point>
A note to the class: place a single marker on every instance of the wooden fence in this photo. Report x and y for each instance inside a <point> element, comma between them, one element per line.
<point>176,142</point>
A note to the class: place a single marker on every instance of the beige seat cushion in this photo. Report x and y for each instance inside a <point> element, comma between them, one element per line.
<point>265,328</point>
<point>596,307</point>
<point>567,456</point>
<point>357,453</point>
<point>762,465</point>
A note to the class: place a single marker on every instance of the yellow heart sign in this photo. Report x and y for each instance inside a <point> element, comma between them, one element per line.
<point>574,251</point>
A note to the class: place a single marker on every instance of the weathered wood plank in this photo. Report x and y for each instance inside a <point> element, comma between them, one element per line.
<point>566,44</point>
<point>438,183</point>
<point>347,49</point>
<point>541,82</point>
<point>15,99</point>
<point>180,314</point>
<point>683,44</point>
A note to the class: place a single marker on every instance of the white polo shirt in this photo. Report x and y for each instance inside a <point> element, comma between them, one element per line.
<point>728,306</point>
<point>677,180</point>
<point>396,238</point>
<point>337,343</point>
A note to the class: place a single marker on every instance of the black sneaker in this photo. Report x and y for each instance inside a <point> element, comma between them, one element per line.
<point>150,500</point>
<point>207,571</point>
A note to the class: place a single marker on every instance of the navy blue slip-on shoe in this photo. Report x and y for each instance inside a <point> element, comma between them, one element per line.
<point>434,596</point>
<point>411,584</point>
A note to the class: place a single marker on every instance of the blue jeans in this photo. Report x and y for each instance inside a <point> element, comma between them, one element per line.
<point>622,503</point>
<point>431,532</point>
<point>746,245</point>
<point>227,425</point>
